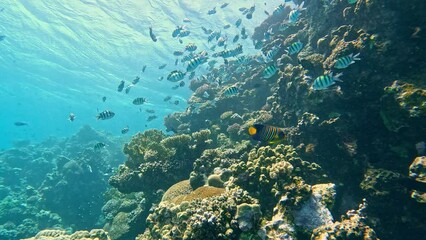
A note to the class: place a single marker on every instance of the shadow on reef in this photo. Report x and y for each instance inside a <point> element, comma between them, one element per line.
<point>57,183</point>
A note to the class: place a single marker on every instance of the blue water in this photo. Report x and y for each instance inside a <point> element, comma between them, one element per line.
<point>63,56</point>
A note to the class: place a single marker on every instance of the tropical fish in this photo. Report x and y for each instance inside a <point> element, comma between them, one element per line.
<point>181,83</point>
<point>294,48</point>
<point>279,9</point>
<point>125,130</point>
<point>71,117</point>
<point>271,53</point>
<point>192,75</point>
<point>167,98</point>
<point>238,22</point>
<point>249,13</point>
<point>243,60</point>
<point>270,71</point>
<point>107,114</point>
<point>325,81</point>
<point>150,110</point>
<point>221,41</point>
<point>103,99</point>
<point>236,38</point>
<point>136,80</point>
<point>187,20</point>
<point>150,118</point>
<point>194,63</point>
<point>230,91</point>
<point>2,37</point>
<point>267,13</point>
<point>127,90</point>
<point>212,11</point>
<point>266,133</point>
<point>177,31</point>
<point>162,66</point>
<point>98,146</point>
<point>20,124</point>
<point>213,35</point>
<point>139,101</point>
<point>160,78</point>
<point>175,76</point>
<point>175,87</point>
<point>224,5</point>
<point>242,9</point>
<point>184,33</point>
<point>176,61</point>
<point>206,31</point>
<point>178,53</point>
<point>345,61</point>
<point>191,47</point>
<point>152,35</point>
<point>227,26</point>
<point>176,102</point>
<point>120,86</point>
<point>143,68</point>
<point>294,14</point>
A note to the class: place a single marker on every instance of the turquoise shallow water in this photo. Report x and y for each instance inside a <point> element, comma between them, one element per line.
<point>61,57</point>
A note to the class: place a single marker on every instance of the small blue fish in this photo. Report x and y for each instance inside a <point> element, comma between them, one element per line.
<point>238,22</point>
<point>345,61</point>
<point>294,48</point>
<point>325,81</point>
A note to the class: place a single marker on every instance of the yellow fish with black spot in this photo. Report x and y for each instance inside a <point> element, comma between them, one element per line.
<point>266,133</point>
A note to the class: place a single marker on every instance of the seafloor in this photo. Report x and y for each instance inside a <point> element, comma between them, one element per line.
<point>343,171</point>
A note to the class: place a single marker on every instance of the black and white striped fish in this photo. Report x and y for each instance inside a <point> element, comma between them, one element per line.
<point>107,114</point>
<point>175,76</point>
<point>294,48</point>
<point>195,62</point>
<point>345,61</point>
<point>98,146</point>
<point>139,101</point>
<point>230,91</point>
<point>325,81</point>
<point>191,47</point>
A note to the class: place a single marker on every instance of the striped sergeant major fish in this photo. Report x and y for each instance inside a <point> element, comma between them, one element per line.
<point>270,71</point>
<point>107,114</point>
<point>294,48</point>
<point>266,133</point>
<point>294,14</point>
<point>99,146</point>
<point>191,47</point>
<point>345,61</point>
<point>230,91</point>
<point>139,101</point>
<point>195,62</point>
<point>271,53</point>
<point>325,81</point>
<point>175,76</point>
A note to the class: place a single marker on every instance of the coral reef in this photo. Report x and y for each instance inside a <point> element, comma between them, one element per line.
<point>57,183</point>
<point>200,218</point>
<point>156,161</point>
<point>95,234</point>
